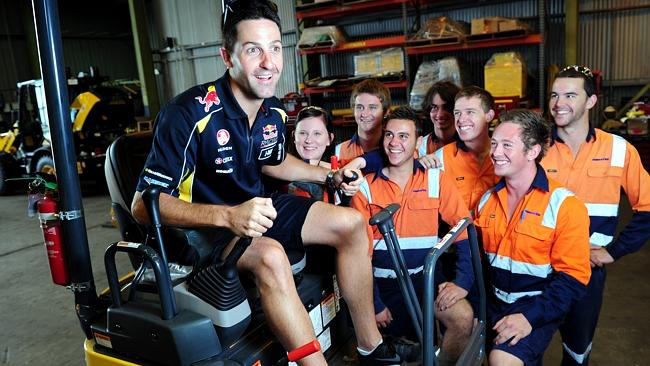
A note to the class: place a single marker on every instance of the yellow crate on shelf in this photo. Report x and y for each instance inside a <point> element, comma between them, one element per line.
<point>386,61</point>
<point>505,75</point>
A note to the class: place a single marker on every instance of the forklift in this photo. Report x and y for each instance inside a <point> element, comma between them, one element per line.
<point>154,315</point>
<point>98,114</point>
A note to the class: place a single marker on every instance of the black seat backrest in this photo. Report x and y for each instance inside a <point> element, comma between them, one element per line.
<point>125,159</point>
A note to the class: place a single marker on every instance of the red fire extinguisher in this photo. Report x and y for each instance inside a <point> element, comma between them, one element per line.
<point>49,217</point>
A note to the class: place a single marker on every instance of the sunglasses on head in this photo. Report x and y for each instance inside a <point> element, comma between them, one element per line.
<point>581,69</point>
<point>308,108</point>
<point>231,5</point>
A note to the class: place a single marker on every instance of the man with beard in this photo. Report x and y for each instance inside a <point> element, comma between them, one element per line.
<point>595,165</point>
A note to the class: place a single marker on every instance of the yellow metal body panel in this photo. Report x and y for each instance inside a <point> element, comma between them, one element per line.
<point>7,141</point>
<point>98,359</point>
<point>84,103</point>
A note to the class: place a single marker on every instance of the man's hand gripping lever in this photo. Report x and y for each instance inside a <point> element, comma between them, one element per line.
<point>346,188</point>
<point>251,218</point>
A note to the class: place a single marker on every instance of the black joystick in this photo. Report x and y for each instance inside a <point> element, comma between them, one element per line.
<point>345,200</point>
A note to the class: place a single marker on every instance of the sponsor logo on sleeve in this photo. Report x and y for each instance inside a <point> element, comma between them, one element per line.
<point>211,98</point>
<point>157,174</point>
<point>265,153</point>
<point>223,136</point>
<point>152,181</point>
<point>269,143</point>
<point>269,132</point>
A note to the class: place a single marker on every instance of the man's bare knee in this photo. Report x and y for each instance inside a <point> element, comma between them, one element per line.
<point>501,358</point>
<point>459,317</point>
<point>271,266</point>
<point>352,221</point>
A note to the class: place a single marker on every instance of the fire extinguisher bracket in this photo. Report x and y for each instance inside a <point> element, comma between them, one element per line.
<point>45,216</point>
<point>80,287</point>
<point>70,215</point>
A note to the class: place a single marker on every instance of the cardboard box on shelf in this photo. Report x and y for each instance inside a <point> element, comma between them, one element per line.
<point>509,24</point>
<point>494,25</point>
<point>485,25</point>
<point>505,75</point>
<point>379,62</point>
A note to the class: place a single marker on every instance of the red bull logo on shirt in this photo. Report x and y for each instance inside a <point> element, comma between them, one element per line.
<point>269,132</point>
<point>211,98</point>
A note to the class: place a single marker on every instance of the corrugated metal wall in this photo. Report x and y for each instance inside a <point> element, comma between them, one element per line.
<point>616,42</point>
<point>613,38</point>
<point>98,36</point>
<point>195,26</point>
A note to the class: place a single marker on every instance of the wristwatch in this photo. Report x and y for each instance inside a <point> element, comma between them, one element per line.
<point>329,179</point>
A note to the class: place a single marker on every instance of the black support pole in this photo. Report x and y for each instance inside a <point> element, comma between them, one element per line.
<point>73,225</point>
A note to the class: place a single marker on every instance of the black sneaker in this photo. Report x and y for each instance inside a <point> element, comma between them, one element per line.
<point>409,351</point>
<point>383,355</point>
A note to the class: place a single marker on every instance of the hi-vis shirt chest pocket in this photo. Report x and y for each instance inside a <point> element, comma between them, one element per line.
<point>423,204</point>
<point>604,182</point>
<point>486,226</point>
<point>486,220</point>
<point>534,242</point>
<point>423,211</point>
<point>605,171</point>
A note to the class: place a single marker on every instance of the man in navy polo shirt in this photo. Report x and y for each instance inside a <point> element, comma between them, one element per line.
<point>213,142</point>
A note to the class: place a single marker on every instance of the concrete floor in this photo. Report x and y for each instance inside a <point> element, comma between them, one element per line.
<point>38,325</point>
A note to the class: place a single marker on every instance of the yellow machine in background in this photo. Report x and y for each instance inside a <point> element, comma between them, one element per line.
<point>98,115</point>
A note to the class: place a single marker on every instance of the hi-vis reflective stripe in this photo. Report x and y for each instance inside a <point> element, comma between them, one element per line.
<point>364,188</point>
<point>434,183</point>
<point>414,242</point>
<point>619,147</point>
<point>422,149</point>
<point>440,157</point>
<point>602,209</point>
<point>579,357</point>
<point>484,199</point>
<point>508,264</point>
<point>513,296</point>
<point>550,214</point>
<point>389,273</point>
<point>600,239</point>
<point>337,151</point>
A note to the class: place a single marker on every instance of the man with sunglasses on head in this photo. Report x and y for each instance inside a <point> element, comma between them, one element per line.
<point>595,165</point>
<point>211,146</point>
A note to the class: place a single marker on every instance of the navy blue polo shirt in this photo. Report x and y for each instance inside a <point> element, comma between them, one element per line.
<point>204,151</point>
